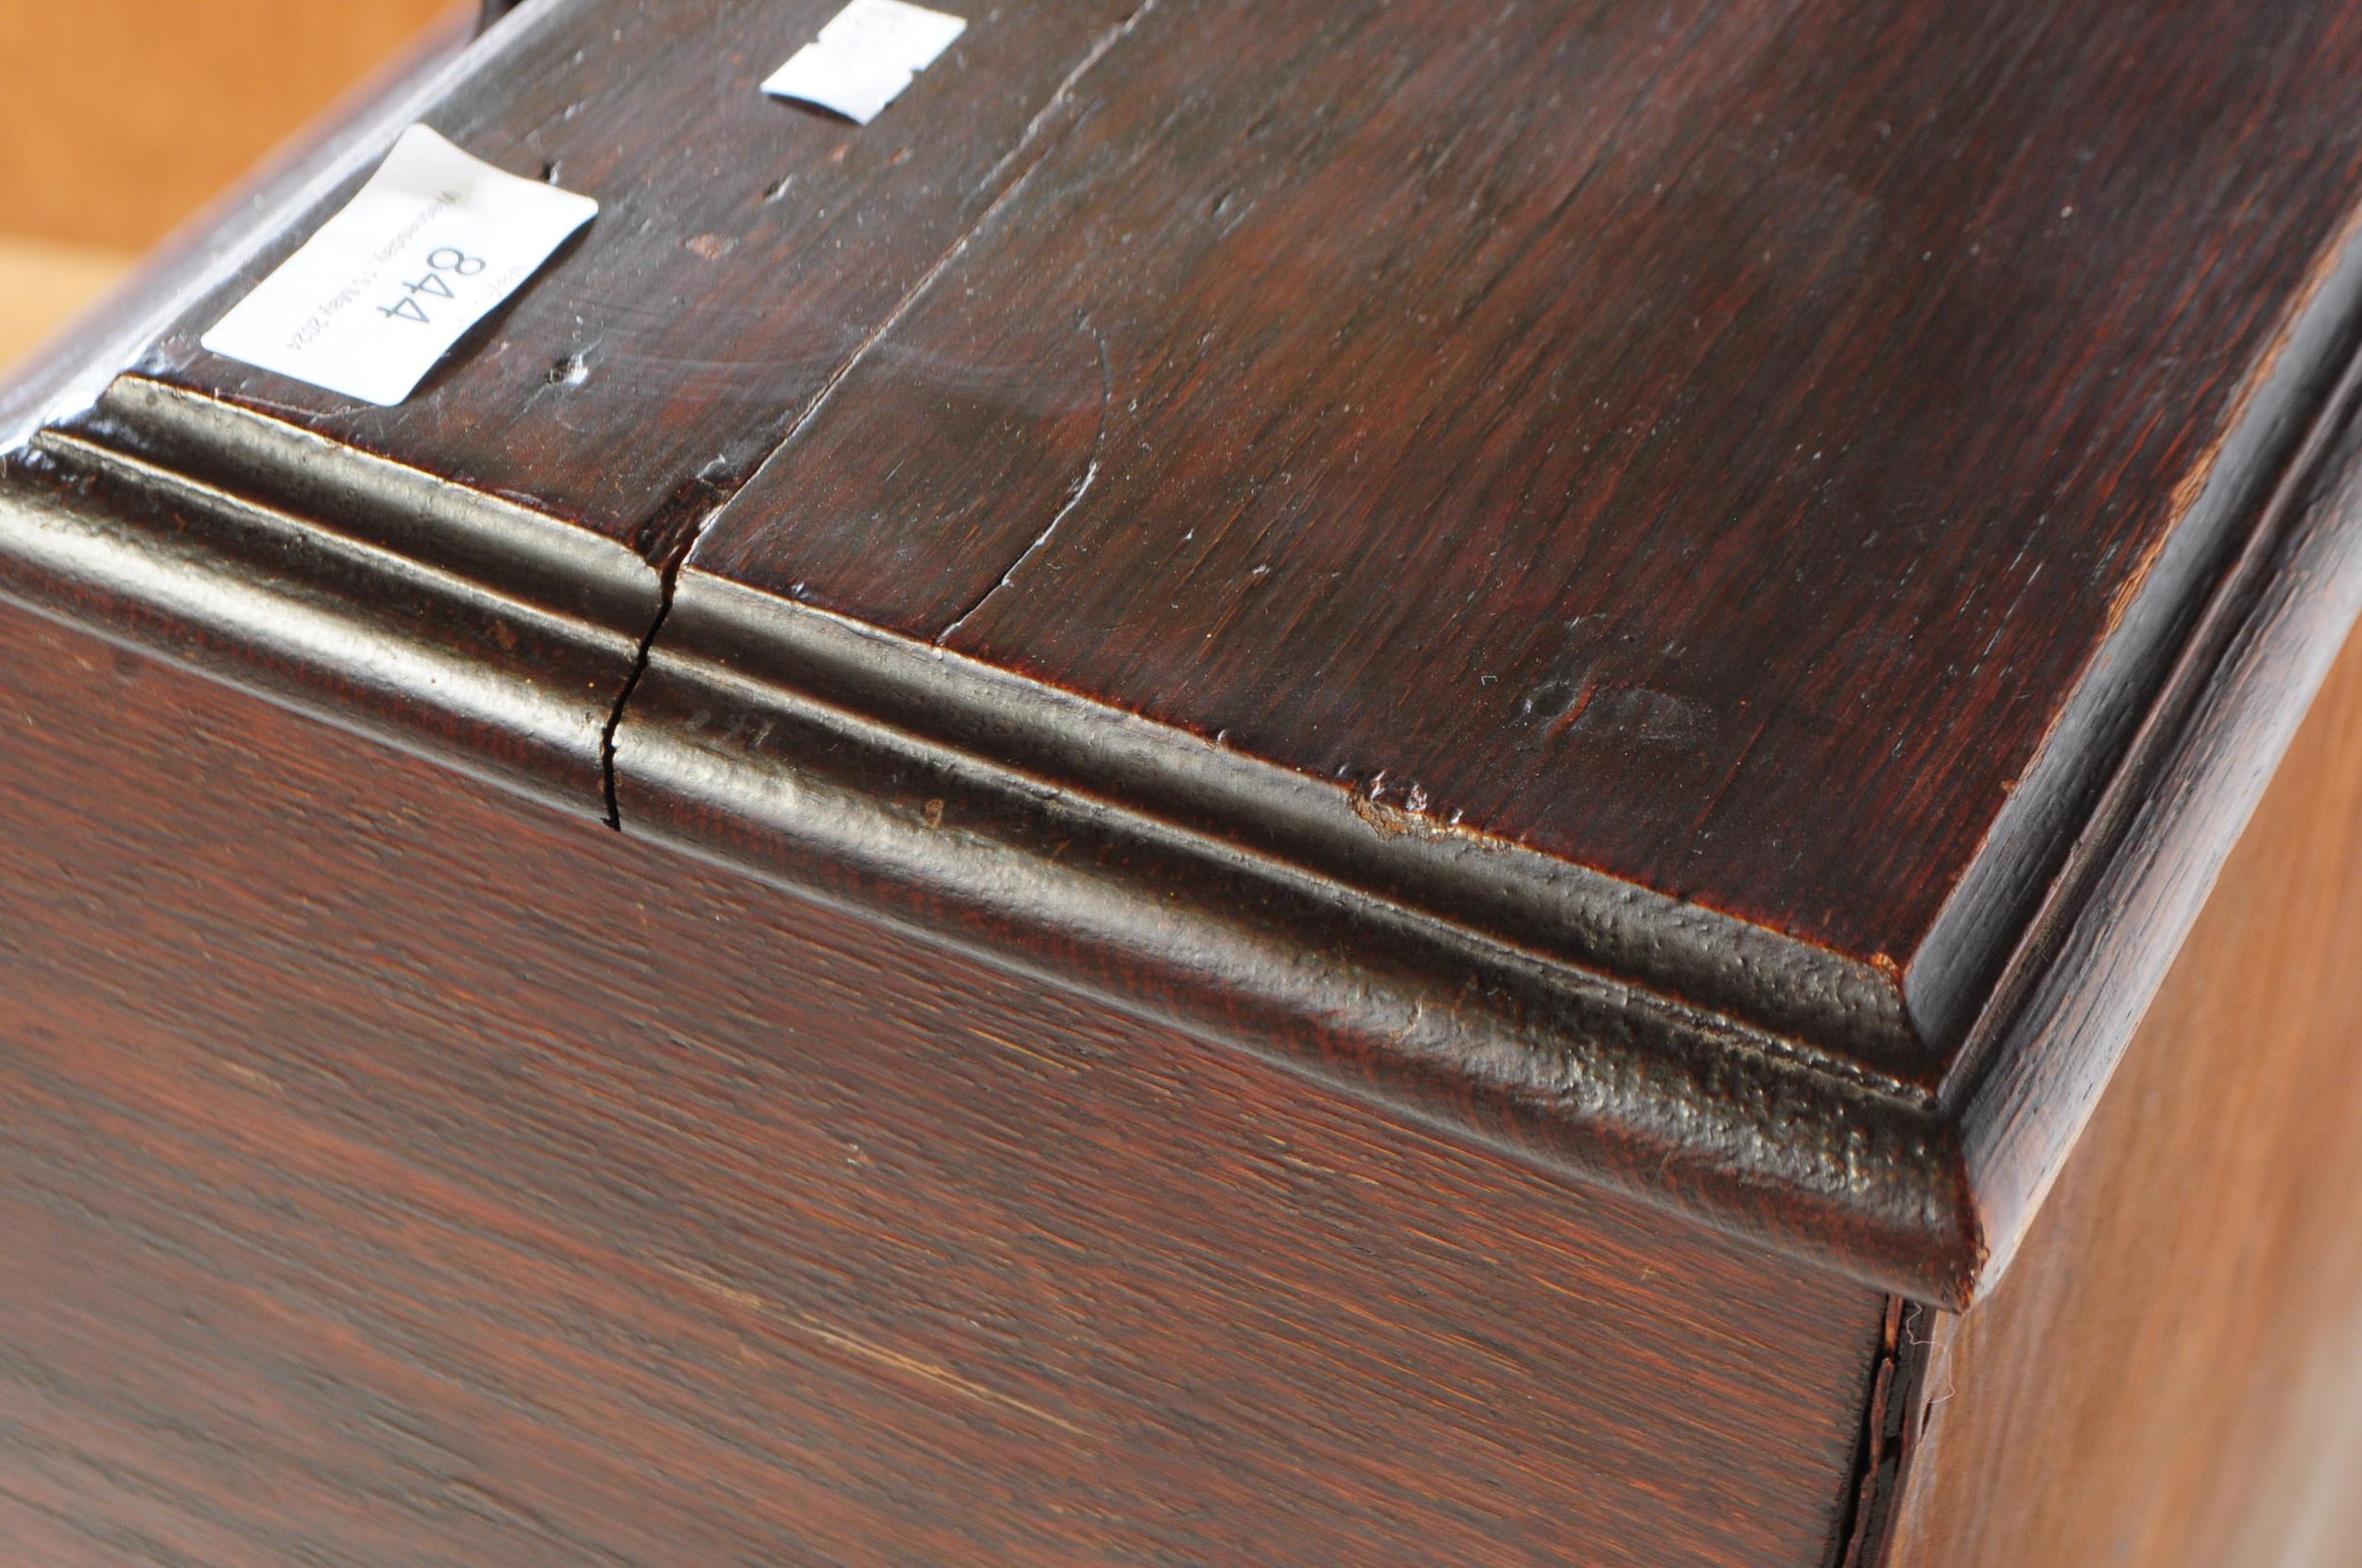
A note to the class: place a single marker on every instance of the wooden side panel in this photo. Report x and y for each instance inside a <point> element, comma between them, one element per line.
<point>2170,1375</point>
<point>388,1177</point>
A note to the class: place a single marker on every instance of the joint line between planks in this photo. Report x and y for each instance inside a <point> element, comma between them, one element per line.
<point>677,557</point>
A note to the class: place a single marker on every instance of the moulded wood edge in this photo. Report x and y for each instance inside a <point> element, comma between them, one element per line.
<point>365,636</point>
<point>1570,1070</point>
<point>1726,1120</point>
<point>2050,1033</point>
<point>1574,1070</point>
<point>2239,493</point>
<point>1845,1017</point>
<point>2146,859</point>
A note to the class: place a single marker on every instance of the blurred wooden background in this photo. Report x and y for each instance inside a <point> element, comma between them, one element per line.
<point>120,119</point>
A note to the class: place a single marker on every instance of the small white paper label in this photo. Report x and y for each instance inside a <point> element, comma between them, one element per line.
<point>865,57</point>
<point>420,253</point>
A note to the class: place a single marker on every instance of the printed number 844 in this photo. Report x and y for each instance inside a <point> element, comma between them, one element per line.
<point>444,259</point>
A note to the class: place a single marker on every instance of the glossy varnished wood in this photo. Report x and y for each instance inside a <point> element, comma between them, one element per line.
<point>2170,1376</point>
<point>979,441</point>
<point>395,1174</point>
<point>1720,445</point>
<point>1426,409</point>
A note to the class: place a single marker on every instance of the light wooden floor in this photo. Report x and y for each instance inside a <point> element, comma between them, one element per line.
<point>42,284</point>
<point>119,118</point>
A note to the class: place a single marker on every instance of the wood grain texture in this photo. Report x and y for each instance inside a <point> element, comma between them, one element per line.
<point>1926,1197</point>
<point>729,749</point>
<point>123,117</point>
<point>746,248</point>
<point>393,1174</point>
<point>2170,1376</point>
<point>2144,863</point>
<point>2182,579</point>
<point>436,617</point>
<point>1425,409</point>
<point>1755,451</point>
<point>427,616</point>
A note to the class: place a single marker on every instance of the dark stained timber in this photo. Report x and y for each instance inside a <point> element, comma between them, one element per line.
<point>1393,778</point>
<point>1690,592</point>
<point>745,248</point>
<point>1753,452</point>
<point>397,1173</point>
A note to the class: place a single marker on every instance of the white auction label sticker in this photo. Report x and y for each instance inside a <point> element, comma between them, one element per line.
<point>865,57</point>
<point>420,253</point>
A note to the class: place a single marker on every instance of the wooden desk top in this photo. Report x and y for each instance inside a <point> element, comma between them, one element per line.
<point>1692,589</point>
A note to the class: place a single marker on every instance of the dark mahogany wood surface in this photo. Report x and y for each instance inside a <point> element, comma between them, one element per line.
<point>395,1173</point>
<point>1716,444</point>
<point>1760,452</point>
<point>746,248</point>
<point>1692,592</point>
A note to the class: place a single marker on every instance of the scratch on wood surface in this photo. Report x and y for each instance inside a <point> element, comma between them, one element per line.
<point>1074,497</point>
<point>943,1376</point>
<point>1065,90</point>
<point>942,263</point>
<point>852,1344</point>
<point>1730,777</point>
<point>1006,1043</point>
<point>249,1075</point>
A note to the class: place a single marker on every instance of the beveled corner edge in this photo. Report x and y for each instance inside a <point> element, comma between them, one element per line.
<point>2147,855</point>
<point>2237,492</point>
